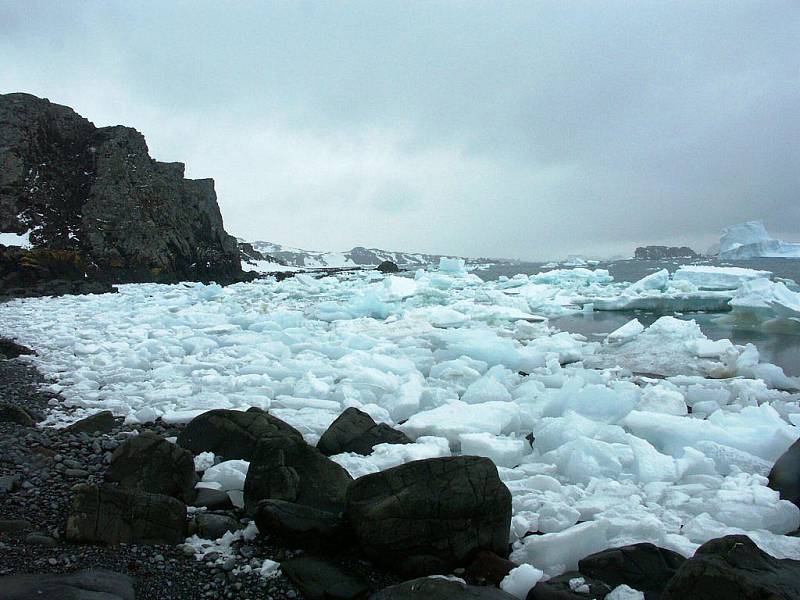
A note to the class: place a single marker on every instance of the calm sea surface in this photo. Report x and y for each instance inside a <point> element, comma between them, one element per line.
<point>781,348</point>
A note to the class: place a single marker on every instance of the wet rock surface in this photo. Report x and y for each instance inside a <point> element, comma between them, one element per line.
<point>355,431</point>
<point>426,588</point>
<point>101,584</point>
<point>113,515</point>
<point>644,567</point>
<point>152,464</point>
<point>287,468</point>
<point>232,433</point>
<point>429,516</point>
<point>734,567</point>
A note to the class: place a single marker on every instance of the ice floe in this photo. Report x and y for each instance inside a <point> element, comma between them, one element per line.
<point>655,434</point>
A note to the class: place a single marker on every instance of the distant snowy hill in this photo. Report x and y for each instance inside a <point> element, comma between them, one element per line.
<point>277,255</point>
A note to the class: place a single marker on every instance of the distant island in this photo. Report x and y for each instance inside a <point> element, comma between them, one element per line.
<point>662,252</point>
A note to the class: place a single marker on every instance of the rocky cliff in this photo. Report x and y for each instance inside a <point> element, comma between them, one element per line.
<point>663,252</point>
<point>96,193</point>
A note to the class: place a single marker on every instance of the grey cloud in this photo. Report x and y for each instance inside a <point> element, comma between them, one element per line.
<point>508,129</point>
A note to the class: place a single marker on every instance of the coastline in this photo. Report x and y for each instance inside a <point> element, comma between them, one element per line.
<point>49,462</point>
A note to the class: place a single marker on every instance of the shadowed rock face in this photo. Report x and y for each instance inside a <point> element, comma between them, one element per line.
<point>97,192</point>
<point>429,516</point>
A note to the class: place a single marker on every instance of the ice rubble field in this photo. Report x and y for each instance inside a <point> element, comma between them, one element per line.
<point>464,366</point>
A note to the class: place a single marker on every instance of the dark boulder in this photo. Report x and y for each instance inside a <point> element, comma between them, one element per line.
<point>149,463</point>
<point>558,588</point>
<point>429,516</point>
<point>301,525</point>
<point>212,499</point>
<point>14,414</point>
<point>97,194</point>
<point>9,349</point>
<point>286,468</point>
<point>97,584</point>
<point>322,579</point>
<point>212,526</point>
<point>785,474</point>
<point>734,567</point>
<point>355,431</point>
<point>644,567</point>
<point>101,422</point>
<point>486,567</point>
<point>232,434</point>
<point>387,266</point>
<point>111,515</point>
<point>428,588</point>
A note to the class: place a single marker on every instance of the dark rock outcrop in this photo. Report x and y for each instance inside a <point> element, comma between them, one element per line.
<point>644,567</point>
<point>301,525</point>
<point>149,463</point>
<point>429,516</point>
<point>212,526</point>
<point>486,567</point>
<point>95,194</point>
<point>785,474</point>
<point>387,266</point>
<point>663,252</point>
<point>110,515</point>
<point>320,579</point>
<point>100,584</point>
<point>286,468</point>
<point>427,588</point>
<point>558,588</point>
<point>101,422</point>
<point>9,349</point>
<point>232,434</point>
<point>355,431</point>
<point>212,499</point>
<point>734,567</point>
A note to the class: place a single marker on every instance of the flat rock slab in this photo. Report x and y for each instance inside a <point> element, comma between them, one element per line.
<point>92,584</point>
<point>429,516</point>
<point>734,567</point>
<point>232,434</point>
<point>320,579</point>
<point>301,525</point>
<point>111,515</point>
<point>149,463</point>
<point>439,588</point>
<point>101,422</point>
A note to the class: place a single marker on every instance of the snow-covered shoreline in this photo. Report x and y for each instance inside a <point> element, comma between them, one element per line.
<point>459,364</point>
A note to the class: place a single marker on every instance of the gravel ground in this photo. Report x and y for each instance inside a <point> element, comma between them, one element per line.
<point>49,462</point>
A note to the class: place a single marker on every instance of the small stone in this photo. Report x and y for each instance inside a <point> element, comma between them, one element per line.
<point>52,562</point>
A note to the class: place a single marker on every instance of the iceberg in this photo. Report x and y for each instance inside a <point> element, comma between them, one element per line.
<point>706,277</point>
<point>751,240</point>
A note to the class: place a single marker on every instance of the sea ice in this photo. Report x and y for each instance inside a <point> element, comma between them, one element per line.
<point>592,439</point>
<point>707,277</point>
<point>520,580</point>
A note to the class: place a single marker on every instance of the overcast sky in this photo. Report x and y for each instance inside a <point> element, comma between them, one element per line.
<point>519,129</point>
